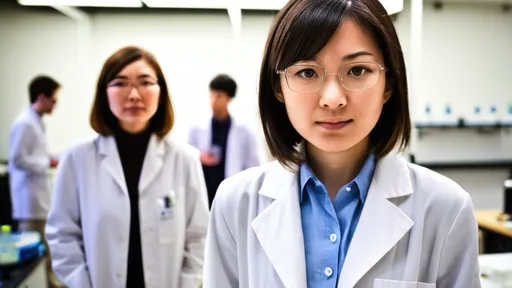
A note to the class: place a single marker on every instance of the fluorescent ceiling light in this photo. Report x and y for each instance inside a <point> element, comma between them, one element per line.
<point>72,12</point>
<point>262,4</point>
<point>193,4</point>
<point>83,3</point>
<point>218,4</point>
<point>393,6</point>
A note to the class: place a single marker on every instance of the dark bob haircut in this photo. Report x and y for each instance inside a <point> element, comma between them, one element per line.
<point>300,31</point>
<point>103,121</point>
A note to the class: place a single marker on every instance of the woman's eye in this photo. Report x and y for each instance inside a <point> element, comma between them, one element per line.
<point>307,73</point>
<point>357,71</point>
<point>118,84</point>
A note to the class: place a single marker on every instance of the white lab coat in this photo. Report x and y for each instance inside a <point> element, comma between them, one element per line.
<point>417,229</point>
<point>89,224</point>
<point>242,148</point>
<point>29,163</point>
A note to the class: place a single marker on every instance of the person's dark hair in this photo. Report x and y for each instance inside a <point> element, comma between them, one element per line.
<point>103,121</point>
<point>224,83</point>
<point>42,85</point>
<point>300,30</point>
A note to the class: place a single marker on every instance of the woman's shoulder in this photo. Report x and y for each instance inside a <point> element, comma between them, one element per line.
<point>437,189</point>
<point>245,186</point>
<point>429,190</point>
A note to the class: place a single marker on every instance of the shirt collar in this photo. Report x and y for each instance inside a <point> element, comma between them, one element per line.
<point>365,176</point>
<point>362,180</point>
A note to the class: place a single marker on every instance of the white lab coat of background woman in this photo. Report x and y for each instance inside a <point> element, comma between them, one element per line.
<point>91,203</point>
<point>413,220</point>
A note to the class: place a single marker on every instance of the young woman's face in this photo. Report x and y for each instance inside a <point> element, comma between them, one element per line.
<point>341,114</point>
<point>133,96</point>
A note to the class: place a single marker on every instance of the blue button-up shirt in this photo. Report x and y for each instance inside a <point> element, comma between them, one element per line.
<point>328,227</point>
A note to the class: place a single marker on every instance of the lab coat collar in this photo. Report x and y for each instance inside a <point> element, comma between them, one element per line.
<point>382,224</point>
<point>36,117</point>
<point>279,228</point>
<point>153,161</point>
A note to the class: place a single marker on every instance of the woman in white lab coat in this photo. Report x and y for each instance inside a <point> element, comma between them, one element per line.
<point>129,206</point>
<point>339,207</point>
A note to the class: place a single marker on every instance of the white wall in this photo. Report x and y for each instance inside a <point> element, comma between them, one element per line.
<point>465,61</point>
<point>191,48</point>
<point>32,42</point>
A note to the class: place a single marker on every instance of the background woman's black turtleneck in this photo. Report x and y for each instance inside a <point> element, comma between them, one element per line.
<point>132,150</point>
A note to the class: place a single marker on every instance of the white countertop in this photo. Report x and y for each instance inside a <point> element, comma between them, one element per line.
<point>497,268</point>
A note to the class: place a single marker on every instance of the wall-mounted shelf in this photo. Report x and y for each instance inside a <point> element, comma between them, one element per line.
<point>480,126</point>
<point>468,164</point>
<point>465,164</point>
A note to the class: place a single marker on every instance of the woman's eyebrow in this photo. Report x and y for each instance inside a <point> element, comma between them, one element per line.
<point>355,55</point>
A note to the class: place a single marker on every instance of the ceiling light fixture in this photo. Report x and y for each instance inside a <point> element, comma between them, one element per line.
<point>393,6</point>
<point>218,4</point>
<point>83,3</point>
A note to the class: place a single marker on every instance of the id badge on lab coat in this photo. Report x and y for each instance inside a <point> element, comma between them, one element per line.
<point>166,210</point>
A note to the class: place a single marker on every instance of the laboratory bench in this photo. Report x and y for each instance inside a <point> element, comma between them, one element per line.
<point>30,274</point>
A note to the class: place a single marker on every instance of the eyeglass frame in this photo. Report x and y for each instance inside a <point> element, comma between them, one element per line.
<point>132,85</point>
<point>285,72</point>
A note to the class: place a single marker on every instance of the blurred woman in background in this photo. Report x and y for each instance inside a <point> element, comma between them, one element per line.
<point>130,206</point>
<point>339,208</point>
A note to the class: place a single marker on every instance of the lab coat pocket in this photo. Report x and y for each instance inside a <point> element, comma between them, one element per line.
<point>384,283</point>
<point>165,228</point>
<point>166,224</point>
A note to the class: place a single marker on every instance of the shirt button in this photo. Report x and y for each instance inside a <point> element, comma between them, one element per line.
<point>333,237</point>
<point>348,189</point>
<point>328,271</point>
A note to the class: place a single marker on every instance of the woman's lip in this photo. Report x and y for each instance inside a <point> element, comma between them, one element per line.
<point>334,125</point>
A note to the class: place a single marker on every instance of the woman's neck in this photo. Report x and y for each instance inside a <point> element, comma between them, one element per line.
<point>133,128</point>
<point>336,169</point>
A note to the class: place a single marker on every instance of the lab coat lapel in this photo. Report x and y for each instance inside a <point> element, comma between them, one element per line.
<point>111,160</point>
<point>231,167</point>
<point>279,228</point>
<point>382,223</point>
<point>153,162</point>
<point>205,139</point>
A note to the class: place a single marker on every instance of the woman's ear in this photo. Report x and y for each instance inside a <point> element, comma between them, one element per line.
<point>280,97</point>
<point>387,95</point>
<point>389,89</point>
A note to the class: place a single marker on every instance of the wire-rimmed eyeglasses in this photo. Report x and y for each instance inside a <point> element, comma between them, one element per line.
<point>309,78</point>
<point>124,86</point>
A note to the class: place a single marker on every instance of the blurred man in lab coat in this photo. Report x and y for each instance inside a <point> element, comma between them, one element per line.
<point>227,146</point>
<point>30,161</point>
